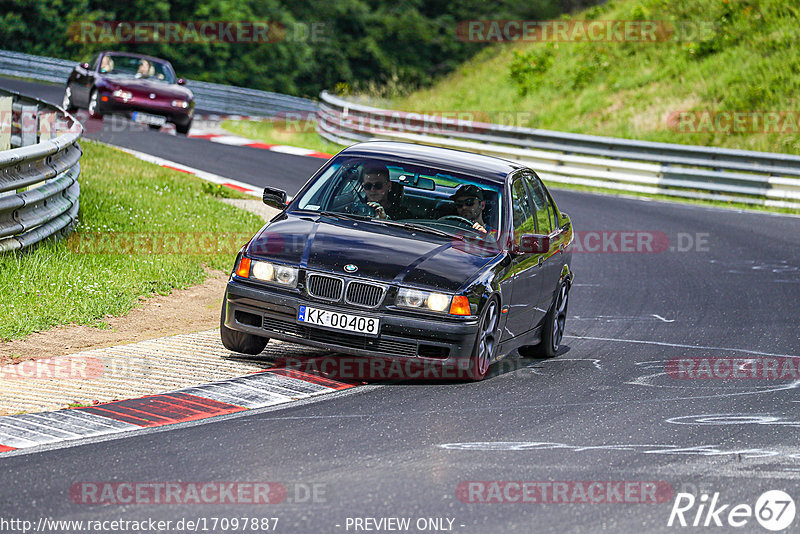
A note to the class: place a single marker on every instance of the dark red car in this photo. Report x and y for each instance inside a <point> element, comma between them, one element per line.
<point>143,88</point>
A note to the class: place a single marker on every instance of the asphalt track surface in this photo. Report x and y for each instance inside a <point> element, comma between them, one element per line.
<point>604,409</point>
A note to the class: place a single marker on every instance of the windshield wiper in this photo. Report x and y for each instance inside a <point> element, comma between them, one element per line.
<point>422,228</point>
<point>390,222</point>
<point>352,216</point>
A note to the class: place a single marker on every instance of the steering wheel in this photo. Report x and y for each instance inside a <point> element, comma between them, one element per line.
<point>360,206</point>
<point>458,219</point>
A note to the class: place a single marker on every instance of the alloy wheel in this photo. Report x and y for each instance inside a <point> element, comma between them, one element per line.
<point>67,102</point>
<point>487,339</point>
<point>560,319</point>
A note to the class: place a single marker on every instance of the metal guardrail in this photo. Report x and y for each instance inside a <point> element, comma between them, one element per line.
<point>214,97</point>
<point>687,171</point>
<point>39,169</point>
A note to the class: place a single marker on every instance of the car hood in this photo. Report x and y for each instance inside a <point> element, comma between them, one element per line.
<point>143,86</point>
<point>383,253</point>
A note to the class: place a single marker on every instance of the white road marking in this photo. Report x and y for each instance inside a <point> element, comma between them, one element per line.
<point>682,346</point>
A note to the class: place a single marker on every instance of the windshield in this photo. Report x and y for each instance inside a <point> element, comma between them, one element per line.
<point>136,67</point>
<point>435,198</point>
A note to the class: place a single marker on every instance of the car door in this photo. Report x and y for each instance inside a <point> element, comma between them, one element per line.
<point>524,310</point>
<point>547,223</point>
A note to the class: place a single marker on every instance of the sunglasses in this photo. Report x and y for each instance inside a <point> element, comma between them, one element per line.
<point>377,186</point>
<point>465,202</point>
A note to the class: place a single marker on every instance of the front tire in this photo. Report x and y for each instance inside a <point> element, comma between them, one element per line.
<point>66,102</point>
<point>94,106</point>
<point>485,342</point>
<point>183,130</point>
<point>553,329</point>
<point>236,341</point>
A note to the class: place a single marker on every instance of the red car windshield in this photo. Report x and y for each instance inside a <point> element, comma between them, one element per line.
<point>136,67</point>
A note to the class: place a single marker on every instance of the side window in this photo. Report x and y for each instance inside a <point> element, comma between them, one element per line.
<point>544,215</point>
<point>524,222</point>
<point>95,62</point>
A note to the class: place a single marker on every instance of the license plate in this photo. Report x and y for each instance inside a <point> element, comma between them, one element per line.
<point>339,321</point>
<point>146,118</point>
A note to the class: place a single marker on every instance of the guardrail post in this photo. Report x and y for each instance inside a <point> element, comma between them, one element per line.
<point>47,131</point>
<point>5,122</point>
<point>47,126</point>
<point>28,125</point>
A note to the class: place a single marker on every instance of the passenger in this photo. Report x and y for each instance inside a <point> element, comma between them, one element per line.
<point>380,196</point>
<point>470,204</point>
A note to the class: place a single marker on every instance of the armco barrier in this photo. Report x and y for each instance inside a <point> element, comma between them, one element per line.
<point>225,99</point>
<point>39,169</point>
<point>621,164</point>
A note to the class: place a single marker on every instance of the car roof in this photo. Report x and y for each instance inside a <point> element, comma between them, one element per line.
<point>488,167</point>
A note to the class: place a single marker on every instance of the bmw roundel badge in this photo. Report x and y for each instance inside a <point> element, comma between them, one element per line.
<point>350,268</point>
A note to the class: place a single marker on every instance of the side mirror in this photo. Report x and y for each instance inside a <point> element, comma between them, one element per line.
<point>85,66</point>
<point>181,81</point>
<point>275,198</point>
<point>533,244</point>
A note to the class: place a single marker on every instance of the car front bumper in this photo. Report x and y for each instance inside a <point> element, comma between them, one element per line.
<point>273,314</point>
<point>179,116</point>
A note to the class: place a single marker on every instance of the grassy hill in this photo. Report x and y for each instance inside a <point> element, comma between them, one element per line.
<point>713,58</point>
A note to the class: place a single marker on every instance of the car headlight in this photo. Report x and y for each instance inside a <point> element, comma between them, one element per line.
<point>269,272</point>
<point>414,298</point>
<point>124,95</point>
<point>180,104</point>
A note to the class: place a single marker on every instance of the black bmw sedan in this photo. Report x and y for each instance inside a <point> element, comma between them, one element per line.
<point>408,252</point>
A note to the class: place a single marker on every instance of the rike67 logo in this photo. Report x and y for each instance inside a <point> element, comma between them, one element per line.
<point>774,510</point>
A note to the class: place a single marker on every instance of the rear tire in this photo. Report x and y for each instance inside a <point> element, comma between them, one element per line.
<point>553,329</point>
<point>236,341</point>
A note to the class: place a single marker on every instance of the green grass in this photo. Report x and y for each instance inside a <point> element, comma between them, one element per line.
<point>741,57</point>
<point>106,266</point>
<point>298,133</point>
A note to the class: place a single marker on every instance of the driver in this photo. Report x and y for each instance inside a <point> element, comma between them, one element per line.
<point>106,64</point>
<point>470,204</point>
<point>377,186</point>
<point>144,69</point>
